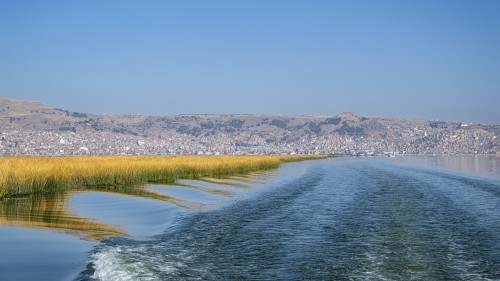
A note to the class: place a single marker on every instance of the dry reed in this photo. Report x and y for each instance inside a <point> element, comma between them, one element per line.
<point>27,175</point>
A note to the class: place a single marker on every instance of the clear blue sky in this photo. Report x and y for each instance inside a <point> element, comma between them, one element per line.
<point>411,59</point>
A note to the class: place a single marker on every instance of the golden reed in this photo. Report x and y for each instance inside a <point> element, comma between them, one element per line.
<point>27,175</point>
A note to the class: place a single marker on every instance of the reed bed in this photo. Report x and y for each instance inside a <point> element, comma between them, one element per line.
<point>27,175</point>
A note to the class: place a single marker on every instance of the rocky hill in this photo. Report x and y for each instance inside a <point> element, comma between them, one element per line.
<point>32,128</point>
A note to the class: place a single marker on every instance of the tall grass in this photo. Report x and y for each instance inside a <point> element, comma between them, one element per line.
<point>27,175</point>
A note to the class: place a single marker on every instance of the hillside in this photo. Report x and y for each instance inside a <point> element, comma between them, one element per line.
<point>32,128</point>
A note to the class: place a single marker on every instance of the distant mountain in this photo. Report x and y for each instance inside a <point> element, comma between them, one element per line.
<point>31,115</point>
<point>52,129</point>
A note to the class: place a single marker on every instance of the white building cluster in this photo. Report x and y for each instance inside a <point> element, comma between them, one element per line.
<point>393,142</point>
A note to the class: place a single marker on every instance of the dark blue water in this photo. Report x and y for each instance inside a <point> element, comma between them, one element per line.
<point>336,220</point>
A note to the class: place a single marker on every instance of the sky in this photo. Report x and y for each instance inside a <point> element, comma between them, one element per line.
<point>426,59</point>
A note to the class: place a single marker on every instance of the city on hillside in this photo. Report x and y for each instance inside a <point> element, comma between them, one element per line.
<point>31,128</point>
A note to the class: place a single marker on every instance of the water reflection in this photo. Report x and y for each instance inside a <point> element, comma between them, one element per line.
<point>192,184</point>
<point>225,182</point>
<point>140,192</point>
<point>52,210</point>
<point>479,165</point>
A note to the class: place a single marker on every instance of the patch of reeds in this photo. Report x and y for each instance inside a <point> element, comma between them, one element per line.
<point>27,175</point>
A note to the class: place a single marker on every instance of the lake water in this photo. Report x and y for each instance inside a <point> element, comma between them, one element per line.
<point>418,218</point>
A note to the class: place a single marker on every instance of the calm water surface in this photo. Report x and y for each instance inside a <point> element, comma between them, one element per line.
<point>347,219</point>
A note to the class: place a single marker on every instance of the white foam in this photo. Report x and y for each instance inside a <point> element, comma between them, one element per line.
<point>120,264</point>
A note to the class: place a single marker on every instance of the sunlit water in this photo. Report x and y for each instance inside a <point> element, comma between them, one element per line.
<point>358,219</point>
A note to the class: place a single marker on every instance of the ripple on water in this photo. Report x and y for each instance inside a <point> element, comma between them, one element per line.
<point>138,217</point>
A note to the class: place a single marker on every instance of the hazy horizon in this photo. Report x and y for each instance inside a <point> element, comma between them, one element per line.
<point>411,60</point>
